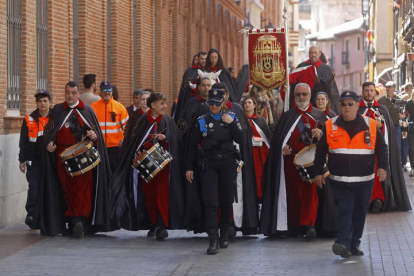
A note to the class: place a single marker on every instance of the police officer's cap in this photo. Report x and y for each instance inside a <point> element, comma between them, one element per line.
<point>216,95</point>
<point>390,84</point>
<point>105,85</point>
<point>42,93</point>
<point>349,95</point>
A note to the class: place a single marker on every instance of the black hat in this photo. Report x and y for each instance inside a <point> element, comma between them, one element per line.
<point>349,95</point>
<point>105,85</point>
<point>41,93</point>
<point>216,95</point>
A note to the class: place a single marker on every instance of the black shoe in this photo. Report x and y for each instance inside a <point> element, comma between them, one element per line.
<point>29,221</point>
<point>356,251</point>
<point>310,233</point>
<point>77,230</point>
<point>231,232</point>
<point>341,250</point>
<point>161,234</point>
<point>376,205</point>
<point>224,237</point>
<point>214,242</point>
<point>152,231</point>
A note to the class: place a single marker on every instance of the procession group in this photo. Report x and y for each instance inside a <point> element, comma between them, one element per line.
<point>228,159</point>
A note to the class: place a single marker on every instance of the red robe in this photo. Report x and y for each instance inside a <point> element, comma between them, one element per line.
<point>156,191</point>
<point>260,155</point>
<point>377,191</point>
<point>77,190</point>
<point>302,197</point>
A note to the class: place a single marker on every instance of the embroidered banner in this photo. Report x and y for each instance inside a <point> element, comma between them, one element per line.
<point>267,58</point>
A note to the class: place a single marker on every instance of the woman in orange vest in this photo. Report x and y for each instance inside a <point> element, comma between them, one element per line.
<point>30,155</point>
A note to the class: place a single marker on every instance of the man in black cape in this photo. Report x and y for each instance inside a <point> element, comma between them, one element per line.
<point>128,206</point>
<point>51,201</point>
<point>274,217</point>
<point>241,82</point>
<point>394,189</point>
<point>324,74</point>
<point>245,211</point>
<point>186,92</point>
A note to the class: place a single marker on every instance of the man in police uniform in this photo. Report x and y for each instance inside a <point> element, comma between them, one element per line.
<point>352,142</point>
<point>213,136</point>
<point>30,155</point>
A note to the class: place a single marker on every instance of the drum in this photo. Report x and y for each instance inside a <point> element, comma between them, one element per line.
<point>304,163</point>
<point>150,162</point>
<point>80,158</point>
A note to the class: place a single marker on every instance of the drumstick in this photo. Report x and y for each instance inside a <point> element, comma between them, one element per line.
<point>155,134</point>
<point>84,137</point>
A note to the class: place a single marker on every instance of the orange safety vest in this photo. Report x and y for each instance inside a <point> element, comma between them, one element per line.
<point>341,147</point>
<point>34,129</point>
<point>112,117</point>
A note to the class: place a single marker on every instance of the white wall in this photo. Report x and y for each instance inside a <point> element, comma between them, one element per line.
<point>13,184</point>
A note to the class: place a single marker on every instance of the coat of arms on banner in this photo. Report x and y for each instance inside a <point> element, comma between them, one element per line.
<point>267,59</point>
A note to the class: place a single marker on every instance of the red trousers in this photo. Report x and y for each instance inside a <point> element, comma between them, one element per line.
<point>260,155</point>
<point>156,196</point>
<point>77,190</point>
<point>377,191</point>
<point>302,197</point>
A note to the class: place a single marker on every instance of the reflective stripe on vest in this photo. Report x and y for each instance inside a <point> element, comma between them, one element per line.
<point>352,178</point>
<point>352,151</point>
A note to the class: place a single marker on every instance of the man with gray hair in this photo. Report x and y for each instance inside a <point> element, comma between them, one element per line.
<point>290,201</point>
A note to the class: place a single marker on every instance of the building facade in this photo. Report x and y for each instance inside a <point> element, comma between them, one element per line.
<point>344,49</point>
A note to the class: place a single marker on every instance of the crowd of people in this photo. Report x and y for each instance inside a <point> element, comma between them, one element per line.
<point>226,160</point>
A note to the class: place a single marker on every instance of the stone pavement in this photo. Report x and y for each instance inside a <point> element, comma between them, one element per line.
<point>388,243</point>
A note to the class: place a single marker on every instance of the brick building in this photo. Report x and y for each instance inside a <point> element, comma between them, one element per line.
<point>132,43</point>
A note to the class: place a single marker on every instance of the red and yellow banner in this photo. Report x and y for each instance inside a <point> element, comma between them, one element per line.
<point>267,58</point>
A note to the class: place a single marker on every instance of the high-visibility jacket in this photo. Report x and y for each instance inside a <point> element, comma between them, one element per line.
<point>112,117</point>
<point>351,160</point>
<point>34,128</point>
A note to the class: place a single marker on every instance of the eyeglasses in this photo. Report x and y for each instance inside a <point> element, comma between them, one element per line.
<point>211,103</point>
<point>301,94</point>
<point>107,90</point>
<point>343,104</point>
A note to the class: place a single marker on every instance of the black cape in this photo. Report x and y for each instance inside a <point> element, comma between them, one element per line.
<point>272,219</point>
<point>261,122</point>
<point>190,75</point>
<point>327,217</point>
<point>241,82</point>
<point>395,191</point>
<point>250,220</point>
<point>51,203</point>
<point>122,190</point>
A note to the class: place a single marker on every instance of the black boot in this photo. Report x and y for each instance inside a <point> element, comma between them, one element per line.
<point>214,242</point>
<point>78,227</point>
<point>224,237</point>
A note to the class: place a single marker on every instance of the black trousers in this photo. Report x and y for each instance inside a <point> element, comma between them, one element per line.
<point>114,155</point>
<point>218,184</point>
<point>411,145</point>
<point>33,176</point>
<point>353,203</point>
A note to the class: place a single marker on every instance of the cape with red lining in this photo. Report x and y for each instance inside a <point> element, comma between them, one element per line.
<point>272,170</point>
<point>51,204</point>
<point>123,203</point>
<point>395,191</point>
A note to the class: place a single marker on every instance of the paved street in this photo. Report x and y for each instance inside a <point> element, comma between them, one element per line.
<point>388,244</point>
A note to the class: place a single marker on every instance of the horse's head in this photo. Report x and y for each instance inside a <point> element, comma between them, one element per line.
<point>212,76</point>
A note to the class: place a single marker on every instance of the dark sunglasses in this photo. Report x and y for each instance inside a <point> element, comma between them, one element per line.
<point>301,94</point>
<point>349,104</point>
<point>211,103</point>
<point>107,90</point>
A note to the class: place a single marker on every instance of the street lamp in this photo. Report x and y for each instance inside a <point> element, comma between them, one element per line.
<point>270,25</point>
<point>365,6</point>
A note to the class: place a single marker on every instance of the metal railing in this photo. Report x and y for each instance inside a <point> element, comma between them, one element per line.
<point>345,58</point>
<point>42,52</point>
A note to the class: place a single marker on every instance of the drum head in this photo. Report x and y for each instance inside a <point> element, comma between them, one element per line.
<point>80,147</point>
<point>305,156</point>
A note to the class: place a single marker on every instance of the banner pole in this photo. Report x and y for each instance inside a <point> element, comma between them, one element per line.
<point>287,94</point>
